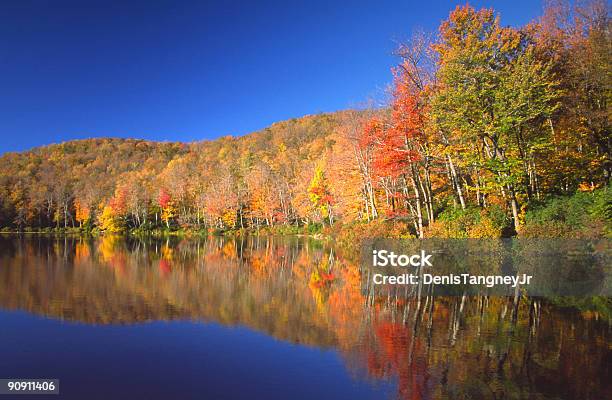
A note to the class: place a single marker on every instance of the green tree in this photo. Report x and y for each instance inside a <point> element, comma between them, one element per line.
<point>492,98</point>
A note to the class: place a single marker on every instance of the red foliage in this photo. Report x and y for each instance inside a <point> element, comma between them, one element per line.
<point>390,214</point>
<point>324,195</point>
<point>118,203</point>
<point>327,277</point>
<point>279,216</point>
<point>163,199</point>
<point>407,114</point>
<point>397,144</point>
<point>372,131</point>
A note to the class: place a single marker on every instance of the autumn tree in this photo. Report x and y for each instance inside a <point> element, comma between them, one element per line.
<point>320,195</point>
<point>355,134</point>
<point>167,207</point>
<point>113,216</point>
<point>575,39</point>
<point>82,212</point>
<point>493,96</point>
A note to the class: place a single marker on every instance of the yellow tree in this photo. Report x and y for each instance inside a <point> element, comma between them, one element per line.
<point>168,209</point>
<point>320,195</point>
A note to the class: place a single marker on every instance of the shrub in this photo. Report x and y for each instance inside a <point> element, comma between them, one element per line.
<point>469,223</point>
<point>313,228</point>
<point>581,215</point>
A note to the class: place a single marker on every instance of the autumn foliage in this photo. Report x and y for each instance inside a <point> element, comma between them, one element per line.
<point>481,117</point>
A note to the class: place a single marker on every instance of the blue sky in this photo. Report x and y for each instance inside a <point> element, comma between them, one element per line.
<point>180,70</point>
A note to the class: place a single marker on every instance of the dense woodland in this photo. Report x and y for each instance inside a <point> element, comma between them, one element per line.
<point>484,124</point>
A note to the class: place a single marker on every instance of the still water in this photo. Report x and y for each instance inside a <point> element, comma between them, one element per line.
<point>272,318</point>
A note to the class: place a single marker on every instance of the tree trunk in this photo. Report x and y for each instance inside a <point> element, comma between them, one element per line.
<point>419,213</point>
<point>456,182</point>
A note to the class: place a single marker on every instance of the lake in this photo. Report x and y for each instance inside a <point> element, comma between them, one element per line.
<point>272,318</point>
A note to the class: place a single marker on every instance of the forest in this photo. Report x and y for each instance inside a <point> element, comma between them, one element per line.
<point>488,131</point>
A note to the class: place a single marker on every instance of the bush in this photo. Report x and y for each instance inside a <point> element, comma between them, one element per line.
<point>287,230</point>
<point>313,228</point>
<point>470,223</point>
<point>581,215</point>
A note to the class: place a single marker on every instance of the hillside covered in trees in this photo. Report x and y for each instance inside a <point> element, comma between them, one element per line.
<point>486,124</point>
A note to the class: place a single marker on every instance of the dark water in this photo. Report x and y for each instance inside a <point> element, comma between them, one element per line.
<point>270,318</point>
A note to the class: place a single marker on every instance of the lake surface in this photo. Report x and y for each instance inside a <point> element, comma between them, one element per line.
<point>272,318</point>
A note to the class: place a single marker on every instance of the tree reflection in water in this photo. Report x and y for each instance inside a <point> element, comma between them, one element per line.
<point>304,292</point>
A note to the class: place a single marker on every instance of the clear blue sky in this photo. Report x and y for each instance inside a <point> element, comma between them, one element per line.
<point>180,70</point>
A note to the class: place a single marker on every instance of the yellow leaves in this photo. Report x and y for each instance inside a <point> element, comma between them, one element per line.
<point>168,212</point>
<point>82,211</point>
<point>588,186</point>
<point>108,221</point>
<point>485,229</point>
<point>319,192</point>
<point>465,224</point>
<point>229,218</point>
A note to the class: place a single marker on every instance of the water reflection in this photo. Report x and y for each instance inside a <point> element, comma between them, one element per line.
<point>303,292</point>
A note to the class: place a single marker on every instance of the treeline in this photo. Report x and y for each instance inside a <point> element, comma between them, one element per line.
<point>484,120</point>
